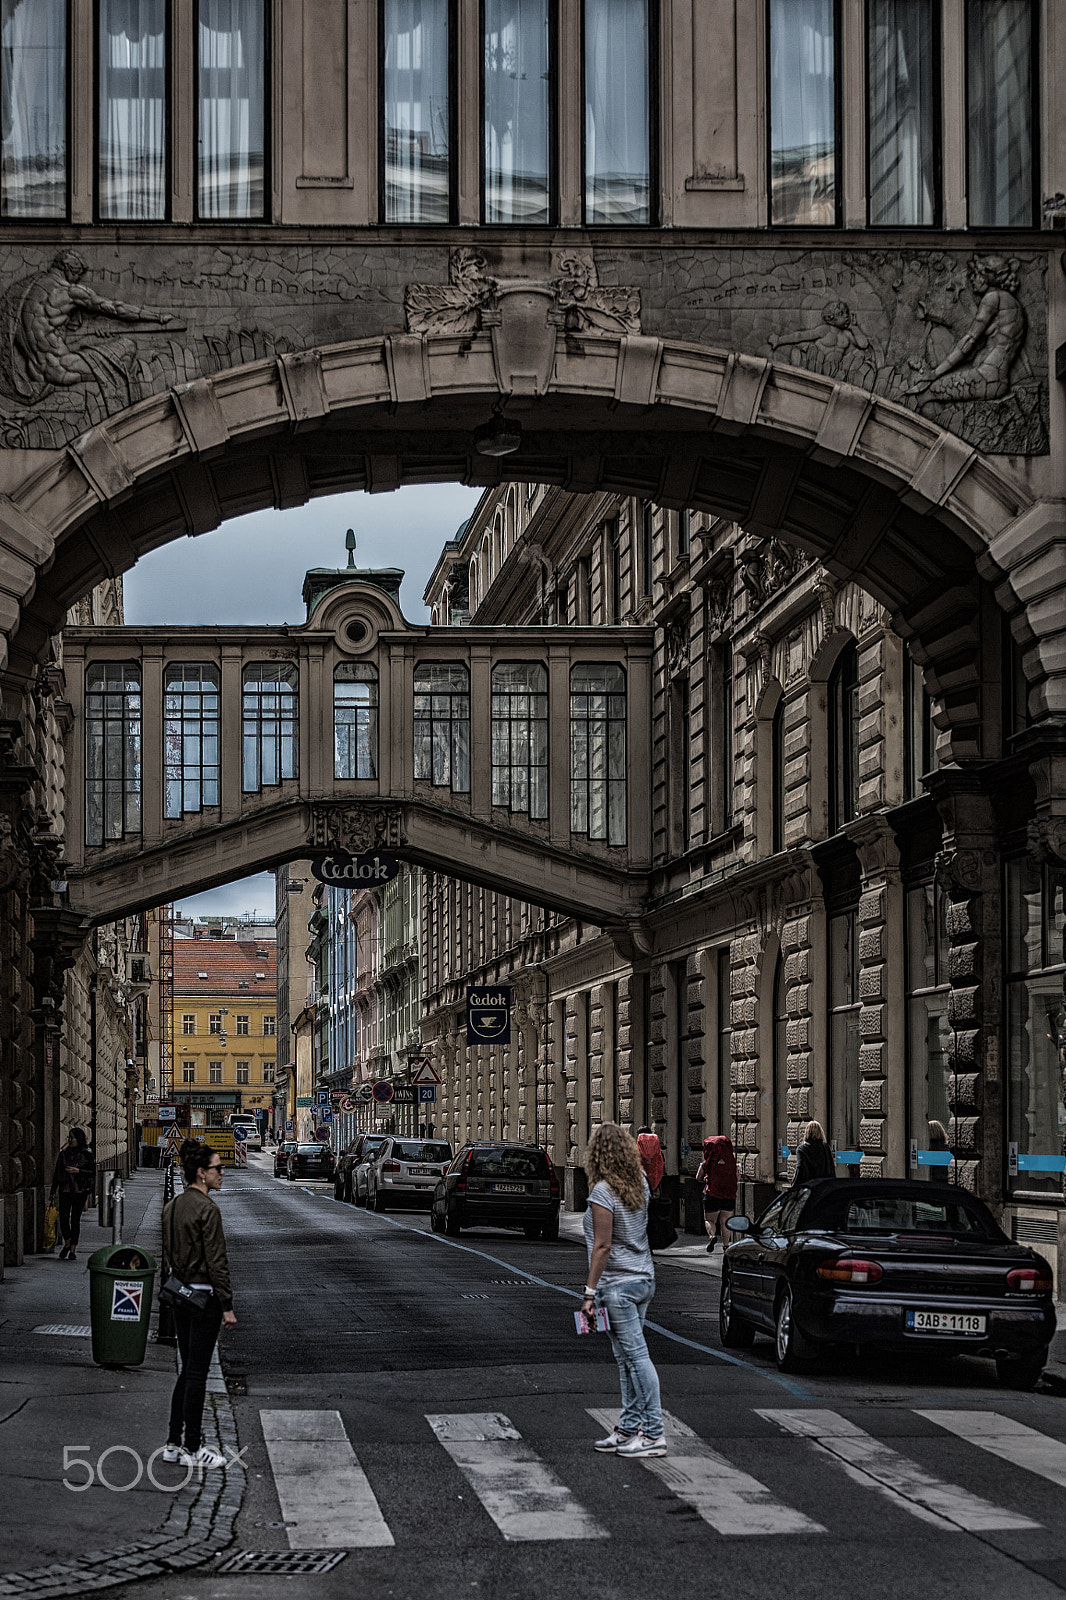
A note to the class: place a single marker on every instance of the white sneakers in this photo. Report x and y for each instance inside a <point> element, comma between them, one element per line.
<point>612,1441</point>
<point>202,1458</point>
<point>172,1452</point>
<point>638,1444</point>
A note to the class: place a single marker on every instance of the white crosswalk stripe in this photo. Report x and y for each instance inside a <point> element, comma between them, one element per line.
<point>521,1494</point>
<point>872,1462</point>
<point>325,1496</point>
<point>730,1500</point>
<point>1011,1441</point>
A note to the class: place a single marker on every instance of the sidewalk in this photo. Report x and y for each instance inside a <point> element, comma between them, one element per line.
<point>60,1540</point>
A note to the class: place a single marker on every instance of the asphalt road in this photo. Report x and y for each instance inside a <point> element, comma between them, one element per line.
<point>357,1329</point>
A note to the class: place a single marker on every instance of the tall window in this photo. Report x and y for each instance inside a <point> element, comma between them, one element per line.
<point>598,752</point>
<point>520,737</point>
<point>618,171</point>
<point>803,118</point>
<point>844,739</point>
<point>33,108</point>
<point>777,778</point>
<point>1036,1015</point>
<point>647,546</point>
<point>416,110</point>
<point>232,105</point>
<point>999,108</point>
<point>614,567</point>
<point>269,725</point>
<point>355,720</point>
<point>188,1072</point>
<point>188,1022</point>
<point>901,72</point>
<point>725,1046</point>
<point>1015,685</point>
<point>242,1071</point>
<point>928,1028</point>
<point>112,751</point>
<point>723,663</point>
<point>780,1063</point>
<point>919,732</point>
<point>683,709</point>
<point>684,532</point>
<point>214,1072</point>
<point>844,1008</point>
<point>190,737</point>
<point>517,110</point>
<point>442,724</point>
<point>132,100</point>
<point>269,1026</point>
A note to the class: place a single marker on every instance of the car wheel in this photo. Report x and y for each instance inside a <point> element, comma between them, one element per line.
<point>734,1332</point>
<point>550,1231</point>
<point>790,1347</point>
<point>378,1202</point>
<point>435,1222</point>
<point>532,1230</point>
<point>452,1225</point>
<point>1021,1372</point>
<point>338,1190</point>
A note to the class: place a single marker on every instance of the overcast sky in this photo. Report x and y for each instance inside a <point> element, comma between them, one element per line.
<point>251,570</point>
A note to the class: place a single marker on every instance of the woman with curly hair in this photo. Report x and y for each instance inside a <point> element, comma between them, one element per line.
<point>621,1278</point>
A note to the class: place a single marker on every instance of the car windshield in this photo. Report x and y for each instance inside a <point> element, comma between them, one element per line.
<point>371,1148</point>
<point>900,1214</point>
<point>411,1150</point>
<point>508,1164</point>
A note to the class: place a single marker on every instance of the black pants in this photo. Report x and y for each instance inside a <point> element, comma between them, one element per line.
<point>71,1207</point>
<point>197,1332</point>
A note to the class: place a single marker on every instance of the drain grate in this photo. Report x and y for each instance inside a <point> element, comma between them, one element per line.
<point>523,1283</point>
<point>473,1297</point>
<point>284,1562</point>
<point>65,1330</point>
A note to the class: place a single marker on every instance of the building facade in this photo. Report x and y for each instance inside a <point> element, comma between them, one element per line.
<point>225,1029</point>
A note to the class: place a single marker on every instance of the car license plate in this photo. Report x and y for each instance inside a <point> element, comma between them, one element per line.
<point>508,1188</point>
<point>945,1322</point>
<point>425,1172</point>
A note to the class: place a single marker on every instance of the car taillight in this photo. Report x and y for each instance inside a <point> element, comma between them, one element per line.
<point>390,1166</point>
<point>460,1181</point>
<point>553,1181</point>
<point>849,1269</point>
<point>1030,1280</point>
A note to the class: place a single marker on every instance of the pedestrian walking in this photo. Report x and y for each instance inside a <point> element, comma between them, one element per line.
<point>718,1173</point>
<point>72,1184</point>
<point>621,1279</point>
<point>651,1158</point>
<point>194,1251</point>
<point>815,1158</point>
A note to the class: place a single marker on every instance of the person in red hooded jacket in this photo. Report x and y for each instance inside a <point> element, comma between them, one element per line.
<point>651,1158</point>
<point>718,1172</point>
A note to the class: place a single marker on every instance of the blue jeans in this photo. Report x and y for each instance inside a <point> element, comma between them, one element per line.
<point>627,1301</point>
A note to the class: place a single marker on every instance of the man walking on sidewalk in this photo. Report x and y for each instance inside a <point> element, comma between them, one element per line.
<point>194,1250</point>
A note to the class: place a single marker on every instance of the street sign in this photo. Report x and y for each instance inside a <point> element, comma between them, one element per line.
<point>364,1093</point>
<point>383,1093</point>
<point>240,1133</point>
<point>427,1073</point>
<point>403,1094</point>
<point>488,1014</point>
<point>427,1094</point>
<point>322,1135</point>
<point>302,1101</point>
<point>343,871</point>
<point>167,1113</point>
<point>347,1103</point>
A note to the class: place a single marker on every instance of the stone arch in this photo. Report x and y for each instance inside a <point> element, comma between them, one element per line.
<point>874,491</point>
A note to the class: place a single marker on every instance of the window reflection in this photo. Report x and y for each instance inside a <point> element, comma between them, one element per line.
<point>231,107</point>
<point>355,720</point>
<point>598,752</point>
<point>617,112</point>
<point>112,751</point>
<point>902,113</point>
<point>417,111</point>
<point>33,66</point>
<point>1036,1014</point>
<point>442,724</point>
<point>132,109</point>
<point>803,156</point>
<point>269,725</point>
<point>517,110</point>
<point>999,90</point>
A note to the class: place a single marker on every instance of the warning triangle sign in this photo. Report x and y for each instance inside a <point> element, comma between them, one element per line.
<point>426,1074</point>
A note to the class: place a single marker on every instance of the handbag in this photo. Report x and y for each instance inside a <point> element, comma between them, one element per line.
<point>175,1293</point>
<point>51,1218</point>
<point>661,1230</point>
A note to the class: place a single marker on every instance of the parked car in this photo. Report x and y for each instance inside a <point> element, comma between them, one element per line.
<point>405,1172</point>
<point>898,1264</point>
<point>499,1185</point>
<point>375,1143</point>
<point>281,1157</point>
<point>310,1161</point>
<point>349,1159</point>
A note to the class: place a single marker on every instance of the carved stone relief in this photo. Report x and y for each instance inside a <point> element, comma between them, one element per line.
<point>358,828</point>
<point>768,567</point>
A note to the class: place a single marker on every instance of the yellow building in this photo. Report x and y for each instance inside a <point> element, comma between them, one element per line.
<point>225,1025</point>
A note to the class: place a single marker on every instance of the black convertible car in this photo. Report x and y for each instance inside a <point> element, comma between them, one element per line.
<point>903,1265</point>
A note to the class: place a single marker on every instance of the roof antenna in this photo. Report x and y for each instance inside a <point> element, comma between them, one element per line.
<point>349,541</point>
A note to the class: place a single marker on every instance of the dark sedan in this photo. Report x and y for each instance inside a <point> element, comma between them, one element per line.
<point>310,1161</point>
<point>281,1157</point>
<point>361,1146</point>
<point>902,1265</point>
<point>498,1185</point>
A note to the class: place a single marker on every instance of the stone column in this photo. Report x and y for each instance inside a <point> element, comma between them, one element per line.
<point>882,1018</point>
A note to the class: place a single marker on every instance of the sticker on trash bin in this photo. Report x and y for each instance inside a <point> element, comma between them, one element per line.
<point>126,1302</point>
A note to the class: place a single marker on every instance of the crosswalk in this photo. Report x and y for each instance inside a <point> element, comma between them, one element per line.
<point>327,1499</point>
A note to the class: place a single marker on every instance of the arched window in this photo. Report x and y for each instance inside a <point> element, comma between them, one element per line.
<point>598,752</point>
<point>269,724</point>
<point>442,724</point>
<point>112,750</point>
<point>190,737</point>
<point>520,737</point>
<point>844,738</point>
<point>355,720</point>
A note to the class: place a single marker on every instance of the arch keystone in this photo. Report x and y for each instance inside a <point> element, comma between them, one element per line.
<point>101,465</point>
<point>200,416</point>
<point>638,370</point>
<point>408,367</point>
<point>303,386</point>
<point>745,380</point>
<point>947,461</point>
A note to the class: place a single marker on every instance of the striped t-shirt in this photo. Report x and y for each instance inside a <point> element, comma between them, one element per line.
<point>630,1256</point>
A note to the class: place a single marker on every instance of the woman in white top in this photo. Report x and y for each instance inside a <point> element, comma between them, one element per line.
<point>621,1277</point>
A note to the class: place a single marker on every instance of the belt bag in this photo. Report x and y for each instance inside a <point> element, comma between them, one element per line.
<point>175,1293</point>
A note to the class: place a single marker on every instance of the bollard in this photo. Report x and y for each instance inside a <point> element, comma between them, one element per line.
<point>118,1208</point>
<point>164,1333</point>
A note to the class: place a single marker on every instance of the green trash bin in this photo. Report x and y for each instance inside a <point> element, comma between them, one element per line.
<point>120,1299</point>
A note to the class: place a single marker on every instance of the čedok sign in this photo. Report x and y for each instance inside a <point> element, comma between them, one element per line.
<point>488,1013</point>
<point>345,872</point>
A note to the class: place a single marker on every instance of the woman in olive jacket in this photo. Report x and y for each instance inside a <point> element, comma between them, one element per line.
<point>815,1157</point>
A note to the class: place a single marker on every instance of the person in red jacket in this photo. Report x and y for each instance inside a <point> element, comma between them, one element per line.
<point>718,1171</point>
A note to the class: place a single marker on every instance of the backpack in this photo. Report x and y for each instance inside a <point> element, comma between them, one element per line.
<point>661,1230</point>
<point>720,1175</point>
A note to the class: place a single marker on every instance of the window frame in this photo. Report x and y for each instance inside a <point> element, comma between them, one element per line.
<point>589,780</point>
<point>453,124</point>
<point>509,721</point>
<point>838,133</point>
<point>937,221</point>
<point>453,722</point>
<point>842,1008</point>
<point>654,137</point>
<point>191,714</point>
<point>168,125</point>
<point>293,683</point>
<point>1034,109</point>
<point>20,220</point>
<point>840,814</point>
<point>552,219</point>
<point>372,711</point>
<point>131,781</point>
<point>268,41</point>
